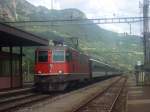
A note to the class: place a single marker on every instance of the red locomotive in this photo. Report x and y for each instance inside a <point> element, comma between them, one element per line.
<point>59,66</point>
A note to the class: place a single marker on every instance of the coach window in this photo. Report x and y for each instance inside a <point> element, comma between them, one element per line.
<point>58,56</point>
<point>42,56</point>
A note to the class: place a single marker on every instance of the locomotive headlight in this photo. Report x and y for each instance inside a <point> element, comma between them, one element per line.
<point>60,71</point>
<point>39,72</point>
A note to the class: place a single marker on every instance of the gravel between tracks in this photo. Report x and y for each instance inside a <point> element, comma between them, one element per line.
<point>69,101</point>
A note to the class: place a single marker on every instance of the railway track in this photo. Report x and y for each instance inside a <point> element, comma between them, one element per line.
<point>105,101</point>
<point>73,101</point>
<point>85,99</point>
<point>20,97</point>
<point>14,102</point>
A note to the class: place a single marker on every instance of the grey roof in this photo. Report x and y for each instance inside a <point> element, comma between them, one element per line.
<point>11,36</point>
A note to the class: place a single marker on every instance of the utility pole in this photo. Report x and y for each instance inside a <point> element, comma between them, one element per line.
<point>146,38</point>
<point>51,4</point>
<point>52,14</point>
<point>15,12</point>
<point>74,41</point>
<point>130,32</point>
<point>146,43</point>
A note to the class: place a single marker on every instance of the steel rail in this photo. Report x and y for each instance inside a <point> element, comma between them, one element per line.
<point>21,102</point>
<point>117,97</point>
<point>94,97</point>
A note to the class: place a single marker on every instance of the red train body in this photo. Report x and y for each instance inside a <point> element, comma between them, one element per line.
<point>58,66</point>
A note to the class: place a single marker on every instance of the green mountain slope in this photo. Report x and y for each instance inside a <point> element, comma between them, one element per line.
<point>110,47</point>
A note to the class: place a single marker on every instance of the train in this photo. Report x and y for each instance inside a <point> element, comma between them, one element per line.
<point>57,67</point>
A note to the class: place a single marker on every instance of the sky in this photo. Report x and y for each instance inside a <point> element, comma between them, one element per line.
<point>101,9</point>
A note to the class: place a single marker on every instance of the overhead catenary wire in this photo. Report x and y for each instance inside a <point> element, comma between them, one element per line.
<point>80,21</point>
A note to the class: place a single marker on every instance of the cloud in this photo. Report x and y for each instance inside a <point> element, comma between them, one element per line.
<point>97,8</point>
<point>46,3</point>
<point>113,27</point>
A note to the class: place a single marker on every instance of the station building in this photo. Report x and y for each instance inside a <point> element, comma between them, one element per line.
<point>11,75</point>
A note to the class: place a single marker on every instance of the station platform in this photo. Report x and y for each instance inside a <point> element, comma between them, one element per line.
<point>26,86</point>
<point>138,97</point>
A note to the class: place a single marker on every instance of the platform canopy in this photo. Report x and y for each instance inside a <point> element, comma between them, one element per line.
<point>11,71</point>
<point>11,36</point>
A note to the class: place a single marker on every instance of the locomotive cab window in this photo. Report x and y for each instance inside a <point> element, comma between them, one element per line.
<point>58,56</point>
<point>68,56</point>
<point>42,56</point>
